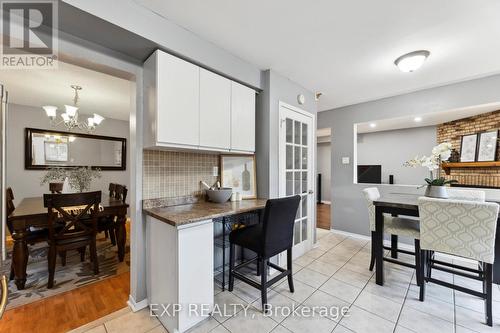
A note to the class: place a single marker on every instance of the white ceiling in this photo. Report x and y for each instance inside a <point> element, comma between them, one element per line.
<point>346,49</point>
<point>428,119</point>
<point>104,94</point>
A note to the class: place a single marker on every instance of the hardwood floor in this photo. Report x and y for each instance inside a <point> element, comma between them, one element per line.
<point>323,216</point>
<point>69,310</point>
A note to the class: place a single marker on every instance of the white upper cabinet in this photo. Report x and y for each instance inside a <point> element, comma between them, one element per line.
<point>215,111</point>
<point>188,107</point>
<point>178,101</point>
<point>242,118</point>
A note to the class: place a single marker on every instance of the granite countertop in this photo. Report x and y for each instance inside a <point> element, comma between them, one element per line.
<point>190,213</point>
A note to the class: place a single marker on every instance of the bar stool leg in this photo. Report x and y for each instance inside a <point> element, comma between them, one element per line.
<point>394,246</point>
<point>263,282</point>
<point>289,268</point>
<point>232,248</point>
<point>372,260</point>
<point>488,277</point>
<point>418,262</point>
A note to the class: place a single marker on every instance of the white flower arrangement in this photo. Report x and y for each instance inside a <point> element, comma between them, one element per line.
<point>441,152</point>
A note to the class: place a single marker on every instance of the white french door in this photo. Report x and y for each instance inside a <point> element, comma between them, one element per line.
<point>296,171</point>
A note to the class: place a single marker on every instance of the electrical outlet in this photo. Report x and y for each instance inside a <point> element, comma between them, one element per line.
<point>345,160</point>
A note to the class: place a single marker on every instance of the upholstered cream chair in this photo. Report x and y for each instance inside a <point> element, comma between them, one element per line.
<point>392,225</point>
<point>461,228</point>
<point>469,195</point>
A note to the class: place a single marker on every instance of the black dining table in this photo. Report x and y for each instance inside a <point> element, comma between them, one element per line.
<point>407,204</point>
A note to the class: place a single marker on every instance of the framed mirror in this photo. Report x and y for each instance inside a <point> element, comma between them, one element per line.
<point>47,149</point>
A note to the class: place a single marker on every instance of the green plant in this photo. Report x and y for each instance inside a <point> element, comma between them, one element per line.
<point>81,178</point>
<point>441,181</point>
<point>54,175</point>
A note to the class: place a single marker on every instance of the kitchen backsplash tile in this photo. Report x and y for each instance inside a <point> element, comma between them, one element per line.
<point>169,175</point>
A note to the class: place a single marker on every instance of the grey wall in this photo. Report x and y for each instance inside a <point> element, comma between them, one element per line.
<point>26,183</point>
<point>324,158</point>
<point>392,148</point>
<point>348,209</point>
<point>276,88</point>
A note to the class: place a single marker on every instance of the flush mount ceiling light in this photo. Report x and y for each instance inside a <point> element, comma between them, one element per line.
<point>373,125</point>
<point>417,119</point>
<point>412,61</point>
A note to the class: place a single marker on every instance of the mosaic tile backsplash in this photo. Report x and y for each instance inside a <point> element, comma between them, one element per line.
<point>174,175</point>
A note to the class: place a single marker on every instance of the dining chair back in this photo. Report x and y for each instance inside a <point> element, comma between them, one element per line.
<point>79,212</point>
<point>10,207</point>
<point>56,187</point>
<point>470,195</point>
<point>458,227</point>
<point>121,192</point>
<point>267,239</point>
<point>371,194</point>
<point>111,188</point>
<point>461,228</point>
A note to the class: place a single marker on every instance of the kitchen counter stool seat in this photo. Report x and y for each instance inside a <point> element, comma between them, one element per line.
<point>273,236</point>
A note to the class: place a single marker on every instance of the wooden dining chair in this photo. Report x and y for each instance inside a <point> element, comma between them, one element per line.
<point>80,227</point>
<point>56,187</point>
<point>33,236</point>
<point>121,192</point>
<point>461,228</point>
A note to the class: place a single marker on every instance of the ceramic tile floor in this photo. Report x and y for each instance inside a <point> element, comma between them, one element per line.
<point>336,274</point>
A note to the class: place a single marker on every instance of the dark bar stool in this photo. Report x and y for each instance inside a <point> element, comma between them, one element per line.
<point>269,238</point>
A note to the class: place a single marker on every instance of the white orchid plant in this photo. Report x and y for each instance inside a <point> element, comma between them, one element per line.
<point>441,152</point>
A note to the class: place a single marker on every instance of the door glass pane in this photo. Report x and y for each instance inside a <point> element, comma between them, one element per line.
<point>289,183</point>
<point>297,157</point>
<point>289,156</point>
<point>296,233</point>
<point>304,134</point>
<point>304,182</point>
<point>304,229</point>
<point>304,206</point>
<point>289,130</point>
<point>304,158</point>
<point>297,182</point>
<point>297,133</point>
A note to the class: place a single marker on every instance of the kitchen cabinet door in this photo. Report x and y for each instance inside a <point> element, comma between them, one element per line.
<point>178,116</point>
<point>215,111</point>
<point>242,118</point>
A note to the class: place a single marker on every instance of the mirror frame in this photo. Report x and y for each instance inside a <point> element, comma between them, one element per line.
<point>28,153</point>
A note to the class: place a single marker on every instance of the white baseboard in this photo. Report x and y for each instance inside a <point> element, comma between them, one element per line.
<point>137,306</point>
<point>350,234</point>
<point>326,202</point>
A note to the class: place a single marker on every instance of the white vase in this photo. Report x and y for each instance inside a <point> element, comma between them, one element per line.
<point>436,192</point>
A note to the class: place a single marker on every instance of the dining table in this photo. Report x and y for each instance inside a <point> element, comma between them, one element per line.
<point>31,213</point>
<point>407,205</point>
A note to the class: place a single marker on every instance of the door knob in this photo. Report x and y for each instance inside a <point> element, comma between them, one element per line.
<point>310,192</point>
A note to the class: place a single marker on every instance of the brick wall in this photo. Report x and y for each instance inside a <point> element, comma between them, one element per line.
<point>453,131</point>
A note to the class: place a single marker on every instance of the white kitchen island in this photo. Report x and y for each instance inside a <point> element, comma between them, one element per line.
<point>180,260</point>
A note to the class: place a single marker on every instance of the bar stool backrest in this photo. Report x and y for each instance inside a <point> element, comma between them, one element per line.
<point>458,227</point>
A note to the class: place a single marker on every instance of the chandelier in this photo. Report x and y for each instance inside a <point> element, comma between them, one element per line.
<point>70,117</point>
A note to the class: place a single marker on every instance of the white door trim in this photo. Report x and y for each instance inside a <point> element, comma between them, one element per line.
<point>312,171</point>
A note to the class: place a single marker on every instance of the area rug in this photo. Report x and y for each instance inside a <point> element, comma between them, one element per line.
<point>74,275</point>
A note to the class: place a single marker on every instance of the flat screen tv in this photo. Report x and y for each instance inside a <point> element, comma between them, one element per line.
<point>370,174</point>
